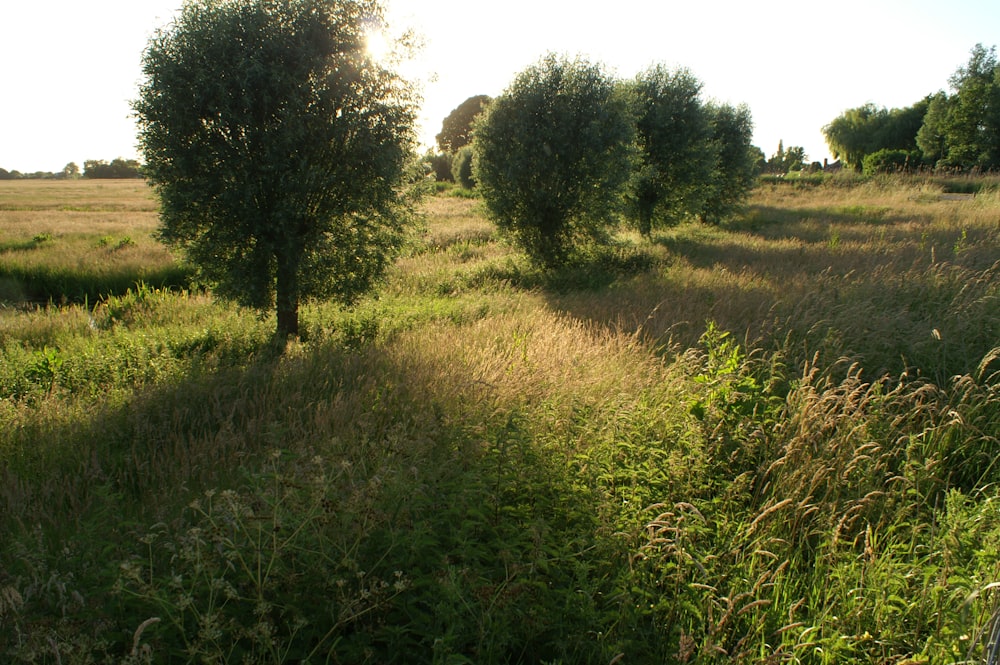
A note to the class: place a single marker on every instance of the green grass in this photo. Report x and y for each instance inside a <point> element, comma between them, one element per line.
<point>769,441</point>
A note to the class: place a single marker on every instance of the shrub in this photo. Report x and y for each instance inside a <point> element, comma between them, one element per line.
<point>890,161</point>
<point>461,168</point>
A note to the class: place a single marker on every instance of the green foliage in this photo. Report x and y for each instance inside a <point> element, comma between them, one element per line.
<point>456,130</point>
<point>674,135</point>
<point>736,161</point>
<point>227,577</point>
<point>890,161</point>
<point>786,161</point>
<point>859,132</point>
<point>440,166</point>
<point>461,168</point>
<point>963,129</point>
<point>932,136</point>
<point>697,159</point>
<point>100,169</point>
<point>553,154</point>
<point>277,147</point>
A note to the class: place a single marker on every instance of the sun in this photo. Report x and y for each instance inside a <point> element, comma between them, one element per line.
<point>378,46</point>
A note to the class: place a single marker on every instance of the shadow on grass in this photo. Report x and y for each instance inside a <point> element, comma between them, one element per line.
<point>64,285</point>
<point>860,283</point>
<point>486,528</point>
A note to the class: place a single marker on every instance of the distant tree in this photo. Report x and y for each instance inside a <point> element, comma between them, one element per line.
<point>795,158</point>
<point>932,139</point>
<point>461,168</point>
<point>71,170</point>
<point>456,130</point>
<point>786,160</point>
<point>735,171</point>
<point>852,134</point>
<point>440,166</point>
<point>6,175</point>
<point>277,146</point>
<point>674,136</point>
<point>866,129</point>
<point>776,162</point>
<point>553,155</point>
<point>118,168</point>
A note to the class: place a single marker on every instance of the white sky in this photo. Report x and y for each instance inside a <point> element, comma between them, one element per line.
<point>69,68</point>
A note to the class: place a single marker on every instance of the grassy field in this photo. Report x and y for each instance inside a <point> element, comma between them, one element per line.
<point>770,441</point>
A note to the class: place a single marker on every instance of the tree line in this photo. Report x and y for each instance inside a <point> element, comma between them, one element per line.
<point>92,168</point>
<point>957,130</point>
<point>281,151</point>
<point>568,152</point>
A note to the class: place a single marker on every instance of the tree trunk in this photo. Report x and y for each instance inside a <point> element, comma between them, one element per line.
<point>287,297</point>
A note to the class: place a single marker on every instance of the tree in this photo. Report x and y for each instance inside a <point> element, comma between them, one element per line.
<point>674,137</point>
<point>552,156</point>
<point>963,129</point>
<point>456,130</point>
<point>731,130</point>
<point>932,137</point>
<point>118,168</point>
<point>867,129</point>
<point>277,146</point>
<point>784,161</point>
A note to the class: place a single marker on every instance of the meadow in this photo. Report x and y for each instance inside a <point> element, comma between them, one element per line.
<point>770,441</point>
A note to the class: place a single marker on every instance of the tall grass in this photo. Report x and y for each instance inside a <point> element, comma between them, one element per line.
<point>771,441</point>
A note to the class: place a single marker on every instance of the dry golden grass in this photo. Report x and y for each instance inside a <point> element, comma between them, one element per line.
<point>78,239</point>
<point>69,195</point>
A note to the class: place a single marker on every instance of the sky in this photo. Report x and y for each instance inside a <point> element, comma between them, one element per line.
<point>71,68</point>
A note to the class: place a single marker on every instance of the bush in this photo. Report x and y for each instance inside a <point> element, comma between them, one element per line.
<point>440,166</point>
<point>461,168</point>
<point>890,161</point>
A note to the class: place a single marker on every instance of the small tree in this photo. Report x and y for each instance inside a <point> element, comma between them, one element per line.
<point>736,160</point>
<point>277,146</point>
<point>553,154</point>
<point>674,139</point>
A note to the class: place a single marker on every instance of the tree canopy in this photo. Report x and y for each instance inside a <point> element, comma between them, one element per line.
<point>456,130</point>
<point>696,158</point>
<point>962,130</point>
<point>277,146</point>
<point>552,155</point>
<point>98,168</point>
<point>674,134</point>
<point>864,130</point>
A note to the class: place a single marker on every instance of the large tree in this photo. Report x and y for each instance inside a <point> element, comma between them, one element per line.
<point>277,145</point>
<point>456,130</point>
<point>963,129</point>
<point>552,155</point>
